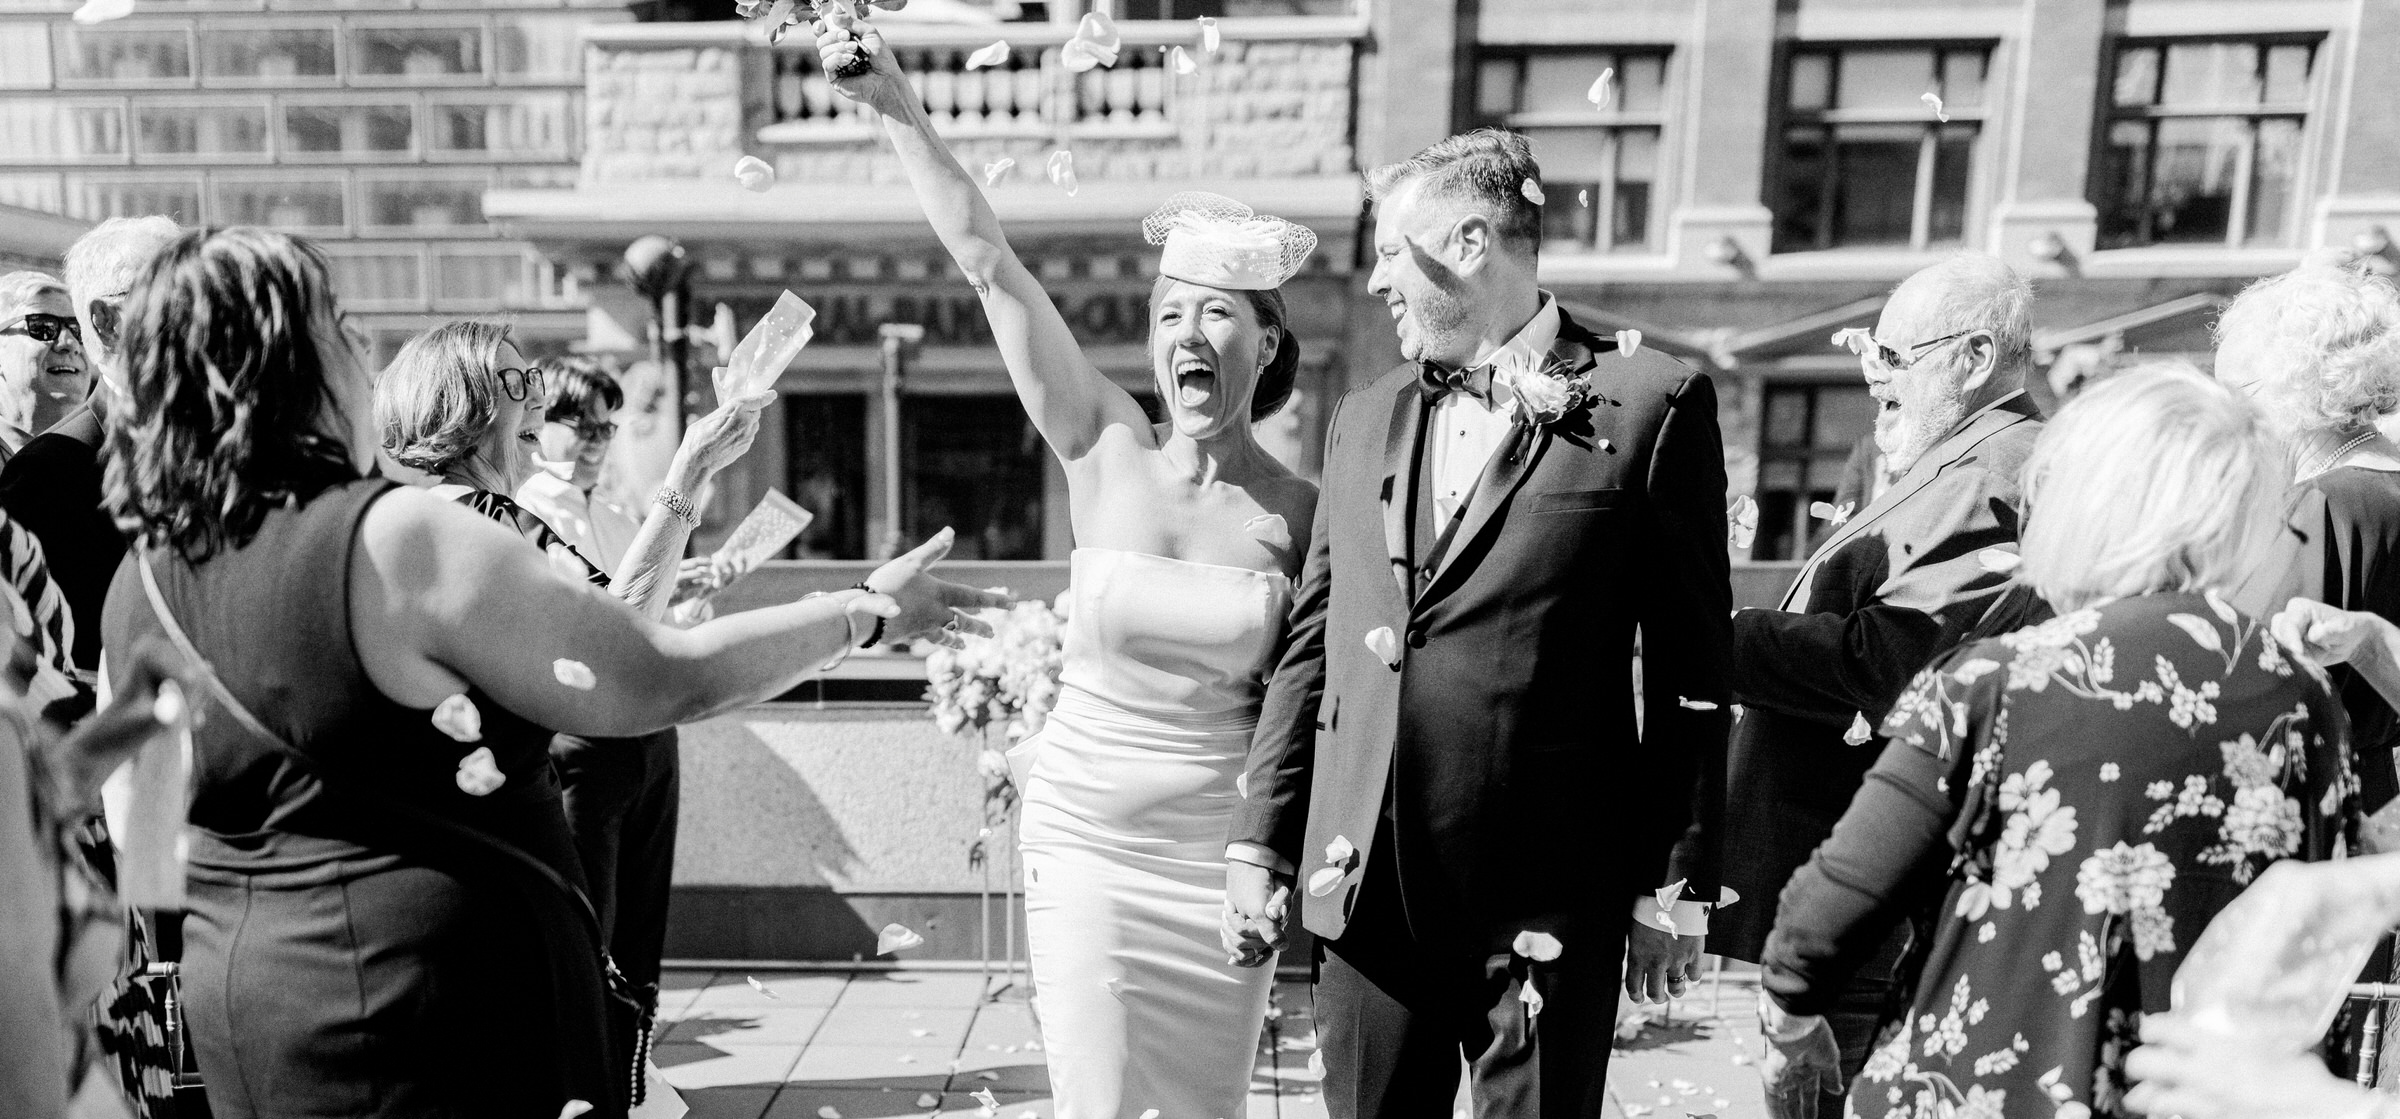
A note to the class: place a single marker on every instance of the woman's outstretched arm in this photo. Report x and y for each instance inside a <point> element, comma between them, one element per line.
<point>1070,401</point>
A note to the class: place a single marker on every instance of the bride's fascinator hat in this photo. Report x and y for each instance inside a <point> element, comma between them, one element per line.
<point>1216,242</point>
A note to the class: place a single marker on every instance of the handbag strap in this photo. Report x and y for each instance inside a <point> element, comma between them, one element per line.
<point>410,813</point>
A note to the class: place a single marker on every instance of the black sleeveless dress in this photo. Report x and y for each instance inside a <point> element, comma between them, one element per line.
<point>371,932</point>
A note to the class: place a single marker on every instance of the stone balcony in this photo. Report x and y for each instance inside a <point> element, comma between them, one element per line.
<point>1269,118</point>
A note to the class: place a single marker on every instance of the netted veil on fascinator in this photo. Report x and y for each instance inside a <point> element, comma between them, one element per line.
<point>1214,241</point>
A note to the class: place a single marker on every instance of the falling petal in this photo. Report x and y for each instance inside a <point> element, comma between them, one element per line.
<point>988,1074</point>
<point>1181,60</point>
<point>753,173</point>
<point>1720,1103</point>
<point>1629,342</point>
<point>1316,1063</point>
<point>1100,31</point>
<point>102,11</point>
<point>1210,37</point>
<point>1741,1058</point>
<point>1933,101</point>
<point>929,1100</point>
<point>1690,704</point>
<point>1150,1113</point>
<point>1540,947</point>
<point>761,988</point>
<point>1635,1111</point>
<point>573,1109</point>
<point>1856,339</point>
<point>1385,646</point>
<point>993,55</point>
<point>1998,561</point>
<point>1532,192</point>
<point>829,1112</point>
<point>896,938</point>
<point>1531,996</point>
<point>1583,198</point>
<point>1742,521</point>
<point>1062,171</point>
<point>1859,731</point>
<point>1665,895</point>
<point>1078,56</point>
<point>1828,511</point>
<point>990,1102</point>
<point>1325,881</point>
<point>920,1032</point>
<point>1241,784</point>
<point>908,1058</point>
<point>1606,447</point>
<point>479,775</point>
<point>168,706</point>
<point>993,170</point>
<point>458,718</point>
<point>1604,88</point>
<point>1684,1086</point>
<point>1115,986</point>
<point>1339,851</point>
<point>574,674</point>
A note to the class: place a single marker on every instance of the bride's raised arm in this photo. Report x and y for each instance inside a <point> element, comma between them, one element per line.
<point>1070,401</point>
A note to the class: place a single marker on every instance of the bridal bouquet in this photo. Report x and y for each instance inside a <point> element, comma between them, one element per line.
<point>1007,682</point>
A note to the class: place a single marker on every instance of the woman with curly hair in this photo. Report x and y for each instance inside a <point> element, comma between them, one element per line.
<point>384,912</point>
<point>2318,349</point>
<point>2060,811</point>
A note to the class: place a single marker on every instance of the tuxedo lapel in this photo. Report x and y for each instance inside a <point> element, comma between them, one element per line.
<point>1510,466</point>
<point>1399,497</point>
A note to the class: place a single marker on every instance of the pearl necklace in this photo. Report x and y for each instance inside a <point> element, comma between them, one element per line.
<point>2334,459</point>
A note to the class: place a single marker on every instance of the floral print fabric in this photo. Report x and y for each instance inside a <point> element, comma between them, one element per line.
<point>2121,773</point>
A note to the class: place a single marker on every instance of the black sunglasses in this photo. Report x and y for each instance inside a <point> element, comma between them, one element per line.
<point>42,328</point>
<point>521,383</point>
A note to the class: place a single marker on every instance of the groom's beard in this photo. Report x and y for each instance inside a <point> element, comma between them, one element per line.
<point>1435,322</point>
<point>1918,430</point>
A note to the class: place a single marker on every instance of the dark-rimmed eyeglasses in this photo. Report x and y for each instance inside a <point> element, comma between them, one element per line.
<point>42,328</point>
<point>521,383</point>
<point>1866,345</point>
<point>591,432</point>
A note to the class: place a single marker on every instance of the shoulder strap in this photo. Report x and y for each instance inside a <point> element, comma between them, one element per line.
<point>409,813</point>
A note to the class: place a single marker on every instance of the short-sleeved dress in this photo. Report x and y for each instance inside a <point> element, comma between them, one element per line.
<point>344,957</point>
<point>2081,797</point>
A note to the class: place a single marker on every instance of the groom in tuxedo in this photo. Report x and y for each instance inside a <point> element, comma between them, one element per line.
<point>1452,774</point>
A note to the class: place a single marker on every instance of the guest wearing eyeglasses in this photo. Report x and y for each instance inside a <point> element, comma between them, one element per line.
<point>51,485</point>
<point>1897,582</point>
<point>579,426</point>
<point>43,374</point>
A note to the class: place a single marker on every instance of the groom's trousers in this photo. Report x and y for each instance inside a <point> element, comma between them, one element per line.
<point>1395,1016</point>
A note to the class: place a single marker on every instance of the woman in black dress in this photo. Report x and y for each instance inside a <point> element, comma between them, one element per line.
<point>2318,348</point>
<point>383,918</point>
<point>2061,810</point>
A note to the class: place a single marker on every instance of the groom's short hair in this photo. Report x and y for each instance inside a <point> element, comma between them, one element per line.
<point>1485,170</point>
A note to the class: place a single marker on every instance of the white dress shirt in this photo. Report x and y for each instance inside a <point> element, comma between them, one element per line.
<point>594,525</point>
<point>1465,431</point>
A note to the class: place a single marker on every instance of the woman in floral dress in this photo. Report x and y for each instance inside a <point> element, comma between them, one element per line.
<point>2061,810</point>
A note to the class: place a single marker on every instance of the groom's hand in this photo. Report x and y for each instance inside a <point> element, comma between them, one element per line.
<point>1659,965</point>
<point>1256,901</point>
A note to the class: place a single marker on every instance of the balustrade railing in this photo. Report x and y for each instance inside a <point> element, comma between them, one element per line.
<point>1029,95</point>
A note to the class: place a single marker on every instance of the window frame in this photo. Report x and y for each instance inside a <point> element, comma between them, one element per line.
<point>285,174</point>
<point>434,103</point>
<point>414,103</point>
<point>1784,118</point>
<point>2251,115</point>
<point>419,173</point>
<point>523,256</point>
<point>74,184</point>
<point>62,30</point>
<point>72,101</point>
<point>143,157</point>
<point>360,79</point>
<point>354,248</point>
<point>341,60</point>
<point>1610,122</point>
<point>1800,377</point>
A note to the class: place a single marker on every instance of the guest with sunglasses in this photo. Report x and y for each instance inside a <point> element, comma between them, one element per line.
<point>1897,582</point>
<point>43,374</point>
<point>51,486</point>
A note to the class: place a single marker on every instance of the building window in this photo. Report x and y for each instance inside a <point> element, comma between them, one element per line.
<point>1599,165</point>
<point>124,54</point>
<point>2204,143</point>
<point>378,281</point>
<point>423,204</point>
<point>271,55</point>
<point>973,463</point>
<point>825,470</point>
<point>98,199</point>
<point>291,205</point>
<point>484,276</point>
<point>47,130</point>
<point>1866,162</point>
<point>189,132</point>
<point>1806,434</point>
<point>339,130</point>
<point>24,56</point>
<point>1193,9</point>
<point>524,126</point>
<point>417,52</point>
<point>541,48</point>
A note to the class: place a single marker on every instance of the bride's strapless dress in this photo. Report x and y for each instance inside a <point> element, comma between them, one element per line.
<point>1128,791</point>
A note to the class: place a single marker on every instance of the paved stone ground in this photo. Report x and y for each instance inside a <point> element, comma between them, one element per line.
<point>872,1045</point>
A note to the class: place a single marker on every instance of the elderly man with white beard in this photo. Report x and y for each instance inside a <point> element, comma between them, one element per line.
<point>1897,583</point>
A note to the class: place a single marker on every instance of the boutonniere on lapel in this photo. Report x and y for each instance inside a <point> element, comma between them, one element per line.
<point>1548,396</point>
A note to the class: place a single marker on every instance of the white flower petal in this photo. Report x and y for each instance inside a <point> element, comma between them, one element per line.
<point>167,707</point>
<point>1385,646</point>
<point>993,170</point>
<point>102,11</point>
<point>1998,561</point>
<point>994,55</point>
<point>1540,947</point>
<point>1325,881</point>
<point>1531,996</point>
<point>1532,192</point>
<point>1742,522</point>
<point>988,1074</point>
<point>458,718</point>
<point>574,674</point>
<point>896,938</point>
<point>479,774</point>
<point>1241,784</point>
<point>574,1108</point>
<point>1934,101</point>
<point>753,173</point>
<point>829,1112</point>
<point>1114,985</point>
<point>1604,89</point>
<point>1316,1063</point>
<point>1210,37</point>
<point>1339,851</point>
<point>990,1102</point>
<point>1583,198</point>
<point>929,1100</point>
<point>1150,1113</point>
<point>1062,171</point>
<point>1690,704</point>
<point>1181,60</point>
<point>1856,339</point>
<point>1629,342</point>
<point>1859,731</point>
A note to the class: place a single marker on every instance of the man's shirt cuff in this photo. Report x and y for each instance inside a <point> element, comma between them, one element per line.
<point>1258,856</point>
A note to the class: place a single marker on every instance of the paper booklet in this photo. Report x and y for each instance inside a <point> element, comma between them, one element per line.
<point>772,526</point>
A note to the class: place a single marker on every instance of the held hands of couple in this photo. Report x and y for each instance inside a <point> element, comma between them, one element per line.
<point>1257,903</point>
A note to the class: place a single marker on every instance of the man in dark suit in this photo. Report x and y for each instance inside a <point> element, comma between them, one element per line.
<point>1904,578</point>
<point>1448,758</point>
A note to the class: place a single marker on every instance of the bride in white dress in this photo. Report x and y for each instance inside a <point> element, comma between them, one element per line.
<point>1189,536</point>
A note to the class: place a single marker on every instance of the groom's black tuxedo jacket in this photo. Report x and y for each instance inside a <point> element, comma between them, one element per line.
<point>1501,753</point>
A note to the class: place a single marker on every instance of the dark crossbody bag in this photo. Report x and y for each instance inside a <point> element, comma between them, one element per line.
<point>620,990</point>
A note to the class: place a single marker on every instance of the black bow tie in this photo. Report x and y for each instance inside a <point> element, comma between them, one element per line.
<point>1436,382</point>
